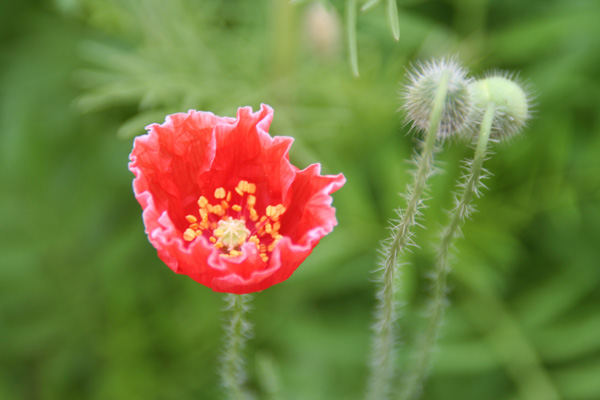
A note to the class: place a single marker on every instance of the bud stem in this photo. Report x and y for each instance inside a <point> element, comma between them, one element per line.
<point>237,329</point>
<point>418,370</point>
<point>383,342</point>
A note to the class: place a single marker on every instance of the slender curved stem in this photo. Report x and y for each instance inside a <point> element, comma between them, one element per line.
<point>383,350</point>
<point>368,5</point>
<point>351,34</point>
<point>419,368</point>
<point>392,12</point>
<point>237,331</point>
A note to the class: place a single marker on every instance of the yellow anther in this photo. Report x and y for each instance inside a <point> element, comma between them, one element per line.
<point>198,232</point>
<point>235,253</point>
<point>219,193</point>
<point>218,232</point>
<point>253,214</point>
<point>191,219</point>
<point>259,223</point>
<point>268,228</point>
<point>219,245</point>
<point>251,188</point>
<point>203,214</point>
<point>189,235</point>
<point>277,211</point>
<point>194,226</point>
<point>239,191</point>
<point>276,226</point>
<point>264,257</point>
<point>251,200</point>
<point>202,201</point>
<point>254,239</point>
<point>236,207</point>
<point>228,195</point>
<point>212,239</point>
<point>270,211</point>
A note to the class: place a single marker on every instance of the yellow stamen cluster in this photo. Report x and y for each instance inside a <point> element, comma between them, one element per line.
<point>228,227</point>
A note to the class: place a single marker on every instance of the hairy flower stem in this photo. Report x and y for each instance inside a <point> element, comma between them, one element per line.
<point>417,371</point>
<point>383,350</point>
<point>237,330</point>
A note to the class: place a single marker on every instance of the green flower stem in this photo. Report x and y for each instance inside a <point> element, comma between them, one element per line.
<point>368,5</point>
<point>237,330</point>
<point>392,12</point>
<point>383,352</point>
<point>418,370</point>
<point>351,34</point>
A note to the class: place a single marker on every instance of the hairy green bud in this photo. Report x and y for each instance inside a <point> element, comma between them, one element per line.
<point>511,101</point>
<point>420,92</point>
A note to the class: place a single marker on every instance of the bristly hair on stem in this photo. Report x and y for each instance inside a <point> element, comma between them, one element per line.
<point>432,90</point>
<point>384,336</point>
<point>501,109</point>
<point>505,108</point>
<point>468,190</point>
<point>237,331</point>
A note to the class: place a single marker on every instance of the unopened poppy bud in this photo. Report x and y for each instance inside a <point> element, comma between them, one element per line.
<point>323,30</point>
<point>511,101</point>
<point>419,96</point>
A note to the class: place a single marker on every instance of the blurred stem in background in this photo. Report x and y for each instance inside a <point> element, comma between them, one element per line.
<point>384,352</point>
<point>351,32</point>
<point>392,14</point>
<point>267,372</point>
<point>237,331</point>
<point>351,20</point>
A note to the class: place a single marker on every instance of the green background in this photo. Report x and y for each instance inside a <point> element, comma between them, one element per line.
<point>88,311</point>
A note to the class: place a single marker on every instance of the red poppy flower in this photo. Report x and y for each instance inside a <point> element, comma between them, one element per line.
<point>222,203</point>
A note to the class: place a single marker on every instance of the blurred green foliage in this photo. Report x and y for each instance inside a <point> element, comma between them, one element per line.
<point>88,311</point>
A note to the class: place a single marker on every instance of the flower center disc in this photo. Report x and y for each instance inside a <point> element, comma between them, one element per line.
<point>231,232</point>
